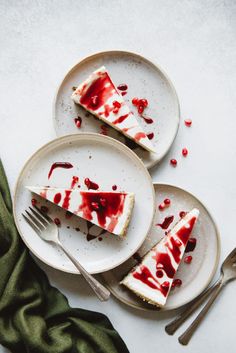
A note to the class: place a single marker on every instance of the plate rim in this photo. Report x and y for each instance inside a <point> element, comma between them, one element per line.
<point>159,310</point>
<point>67,138</point>
<point>139,56</point>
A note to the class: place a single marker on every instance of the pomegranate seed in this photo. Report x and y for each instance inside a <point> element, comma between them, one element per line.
<point>140,109</point>
<point>167,202</point>
<point>114,187</point>
<point>184,152</point>
<point>143,102</point>
<point>159,273</point>
<point>57,221</point>
<point>188,122</point>
<point>123,87</point>
<point>123,93</point>
<point>103,202</point>
<point>173,162</point>
<point>182,214</point>
<point>161,206</point>
<point>115,111</point>
<point>177,282</point>
<point>95,205</point>
<point>116,104</point>
<point>78,122</point>
<point>135,101</point>
<point>33,202</point>
<point>94,100</point>
<point>188,259</point>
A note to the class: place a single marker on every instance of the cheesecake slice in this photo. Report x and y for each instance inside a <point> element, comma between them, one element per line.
<point>152,278</point>
<point>98,95</point>
<point>108,210</point>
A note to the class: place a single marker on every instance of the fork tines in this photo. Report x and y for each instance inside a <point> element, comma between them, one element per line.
<point>37,219</point>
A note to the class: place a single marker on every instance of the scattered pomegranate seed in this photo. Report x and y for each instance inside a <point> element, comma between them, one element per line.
<point>135,101</point>
<point>184,152</point>
<point>176,283</point>
<point>123,93</point>
<point>140,109</point>
<point>188,259</point>
<point>33,202</point>
<point>78,122</point>
<point>100,238</point>
<point>44,209</point>
<point>114,187</point>
<point>173,162</point>
<point>159,273</point>
<point>116,110</point>
<point>116,104</point>
<point>103,202</point>
<point>143,102</point>
<point>57,221</point>
<point>95,205</point>
<point>167,202</point>
<point>182,214</point>
<point>161,206</point>
<point>123,87</point>
<point>188,122</point>
<point>150,136</point>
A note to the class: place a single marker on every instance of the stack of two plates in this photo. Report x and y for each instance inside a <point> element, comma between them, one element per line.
<point>109,162</point>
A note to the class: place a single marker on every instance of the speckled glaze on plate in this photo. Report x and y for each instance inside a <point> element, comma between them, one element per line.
<point>144,79</point>
<point>105,161</point>
<point>196,275</point>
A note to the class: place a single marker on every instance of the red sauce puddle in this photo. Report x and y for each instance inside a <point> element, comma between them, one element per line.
<point>64,165</point>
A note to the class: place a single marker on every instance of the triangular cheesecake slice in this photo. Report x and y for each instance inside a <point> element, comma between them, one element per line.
<point>108,210</point>
<point>99,96</point>
<point>152,278</point>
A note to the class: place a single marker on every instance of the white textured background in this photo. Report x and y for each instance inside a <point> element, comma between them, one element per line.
<point>194,41</point>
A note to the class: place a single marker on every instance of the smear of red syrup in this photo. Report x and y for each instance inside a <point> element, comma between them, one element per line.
<point>55,165</point>
<point>66,201</point>
<point>139,136</point>
<point>112,208</point>
<point>120,119</point>
<point>98,92</point>
<point>166,223</point>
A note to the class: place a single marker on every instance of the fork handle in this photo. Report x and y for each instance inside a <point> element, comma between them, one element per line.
<point>186,336</point>
<point>176,323</point>
<point>102,292</point>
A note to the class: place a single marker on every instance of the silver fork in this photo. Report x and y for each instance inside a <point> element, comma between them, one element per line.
<point>48,231</point>
<point>228,273</point>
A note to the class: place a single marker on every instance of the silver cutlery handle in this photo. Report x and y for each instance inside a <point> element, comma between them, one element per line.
<point>186,336</point>
<point>176,323</point>
<point>102,292</point>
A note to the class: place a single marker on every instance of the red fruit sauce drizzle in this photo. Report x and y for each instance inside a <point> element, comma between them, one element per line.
<point>139,136</point>
<point>105,204</point>
<point>74,181</point>
<point>91,184</point>
<point>147,120</point>
<point>163,261</point>
<point>166,223</point>
<point>96,95</point>
<point>120,119</point>
<point>55,165</point>
<point>57,198</point>
<point>66,201</point>
<point>78,122</point>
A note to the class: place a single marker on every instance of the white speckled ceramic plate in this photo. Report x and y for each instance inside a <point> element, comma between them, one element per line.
<point>205,257</point>
<point>106,162</point>
<point>144,80</point>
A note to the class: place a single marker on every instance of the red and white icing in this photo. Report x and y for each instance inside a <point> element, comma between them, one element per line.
<point>153,277</point>
<point>108,210</point>
<point>99,96</point>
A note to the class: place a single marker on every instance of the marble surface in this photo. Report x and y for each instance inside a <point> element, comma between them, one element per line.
<point>194,41</point>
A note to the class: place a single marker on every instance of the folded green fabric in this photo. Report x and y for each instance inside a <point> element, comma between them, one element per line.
<point>34,316</point>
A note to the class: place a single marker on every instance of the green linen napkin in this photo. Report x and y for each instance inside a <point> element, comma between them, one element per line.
<point>34,316</point>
